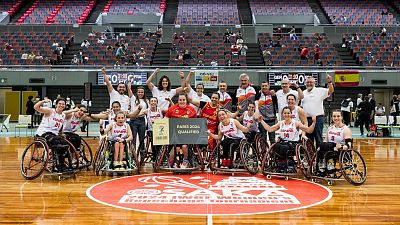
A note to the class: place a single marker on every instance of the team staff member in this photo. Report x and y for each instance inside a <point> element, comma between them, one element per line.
<point>244,93</point>
<point>313,105</point>
<point>116,95</point>
<point>267,106</point>
<point>163,91</point>
<point>181,110</point>
<point>225,99</point>
<point>281,95</point>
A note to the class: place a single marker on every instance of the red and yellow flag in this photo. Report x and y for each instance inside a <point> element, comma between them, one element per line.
<point>347,78</point>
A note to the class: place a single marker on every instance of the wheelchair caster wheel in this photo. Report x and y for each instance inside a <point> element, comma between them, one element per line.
<point>269,176</point>
<point>313,180</point>
<point>59,178</point>
<point>286,178</point>
<point>214,172</point>
<point>330,182</point>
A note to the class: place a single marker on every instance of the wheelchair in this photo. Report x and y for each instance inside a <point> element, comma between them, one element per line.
<point>282,159</point>
<point>104,162</point>
<point>338,164</point>
<point>195,159</point>
<point>59,160</point>
<point>261,145</point>
<point>83,149</point>
<point>149,154</point>
<point>243,157</point>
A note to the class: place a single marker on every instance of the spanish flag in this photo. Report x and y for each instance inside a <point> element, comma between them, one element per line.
<point>347,78</point>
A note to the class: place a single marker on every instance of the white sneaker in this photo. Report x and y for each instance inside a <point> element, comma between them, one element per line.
<point>321,166</point>
<point>331,165</point>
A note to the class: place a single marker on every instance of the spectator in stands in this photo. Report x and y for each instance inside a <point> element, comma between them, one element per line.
<point>364,115</point>
<point>175,37</point>
<point>384,13</point>
<point>292,30</point>
<point>159,33</point>
<point>372,34</point>
<point>54,46</point>
<point>235,50</point>
<point>132,59</point>
<point>317,53</point>
<point>174,48</point>
<point>369,58</point>
<point>320,63</point>
<point>227,39</point>
<point>179,56</point>
<point>243,49</point>
<point>181,39</point>
<point>397,47</point>
<point>75,60</point>
<point>277,44</point>
<point>91,34</point>
<point>207,34</point>
<point>30,110</point>
<point>120,52</point>
<point>148,34</point>
<point>239,40</point>
<point>38,56</point>
<point>110,48</point>
<point>236,63</point>
<point>269,63</point>
<point>200,51</point>
<point>267,54</point>
<point>31,56</point>
<point>85,44</point>
<point>346,106</point>
<point>380,110</point>
<point>300,48</point>
<point>244,93</point>
<point>200,63</point>
<point>117,65</point>
<point>394,108</point>
<point>24,54</point>
<point>270,44</point>
<point>8,47</point>
<point>187,55</point>
<point>293,37</point>
<point>214,63</point>
<point>382,32</point>
<point>100,40</point>
<point>228,62</point>
<point>278,33</point>
<point>317,37</point>
<point>141,56</point>
<point>304,53</point>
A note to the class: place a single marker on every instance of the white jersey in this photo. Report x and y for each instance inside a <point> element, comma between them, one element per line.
<point>161,96</point>
<point>231,131</point>
<point>289,132</point>
<point>142,102</point>
<point>71,124</point>
<point>203,98</point>
<point>295,114</point>
<point>336,134</point>
<point>111,117</point>
<point>122,99</point>
<point>151,116</point>
<point>250,120</point>
<point>52,123</point>
<point>282,101</point>
<point>118,132</point>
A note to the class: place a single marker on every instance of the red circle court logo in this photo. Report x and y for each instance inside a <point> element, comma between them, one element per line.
<point>204,194</point>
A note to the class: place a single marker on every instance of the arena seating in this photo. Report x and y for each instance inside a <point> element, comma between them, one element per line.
<point>135,7</point>
<point>207,11</point>
<point>99,55</point>
<point>287,7</point>
<point>214,47</point>
<point>28,42</point>
<point>10,6</point>
<point>288,54</point>
<point>381,48</point>
<point>357,12</point>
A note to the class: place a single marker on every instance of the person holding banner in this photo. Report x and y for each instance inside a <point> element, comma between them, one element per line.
<point>116,95</point>
<point>181,110</point>
<point>230,131</point>
<point>163,91</point>
<point>209,110</point>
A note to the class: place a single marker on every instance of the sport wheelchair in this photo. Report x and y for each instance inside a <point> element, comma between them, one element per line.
<point>286,161</point>
<point>336,164</point>
<point>104,158</point>
<point>195,159</point>
<point>83,149</point>
<point>59,160</point>
<point>243,157</point>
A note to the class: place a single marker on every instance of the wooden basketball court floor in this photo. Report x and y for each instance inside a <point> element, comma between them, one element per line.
<point>49,201</point>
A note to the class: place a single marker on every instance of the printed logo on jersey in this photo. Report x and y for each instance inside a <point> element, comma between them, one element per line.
<point>203,194</point>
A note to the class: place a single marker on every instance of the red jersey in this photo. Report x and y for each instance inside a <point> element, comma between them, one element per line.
<point>177,112</point>
<point>211,114</point>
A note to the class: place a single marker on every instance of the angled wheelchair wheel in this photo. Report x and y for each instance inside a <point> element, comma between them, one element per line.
<point>131,158</point>
<point>162,158</point>
<point>101,156</point>
<point>197,159</point>
<point>249,157</point>
<point>353,167</point>
<point>303,161</point>
<point>267,162</point>
<point>34,160</point>
<point>213,160</point>
<point>86,154</point>
<point>72,160</point>
<point>234,151</point>
<point>261,146</point>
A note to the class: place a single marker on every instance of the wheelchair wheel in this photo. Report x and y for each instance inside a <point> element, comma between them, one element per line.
<point>73,157</point>
<point>267,162</point>
<point>214,158</point>
<point>353,167</point>
<point>100,156</point>
<point>303,161</point>
<point>196,158</point>
<point>234,151</point>
<point>261,146</point>
<point>309,147</point>
<point>249,157</point>
<point>162,158</point>
<point>34,160</point>
<point>86,154</point>
<point>148,151</point>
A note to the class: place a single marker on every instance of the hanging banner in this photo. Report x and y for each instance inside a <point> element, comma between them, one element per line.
<point>347,78</point>
<point>275,79</point>
<point>139,78</point>
<point>209,78</point>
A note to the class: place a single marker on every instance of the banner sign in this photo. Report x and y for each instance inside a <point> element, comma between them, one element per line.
<point>275,79</point>
<point>180,131</point>
<point>347,78</point>
<point>209,78</point>
<point>139,78</point>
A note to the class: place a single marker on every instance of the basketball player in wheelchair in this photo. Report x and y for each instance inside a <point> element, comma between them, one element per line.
<point>279,160</point>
